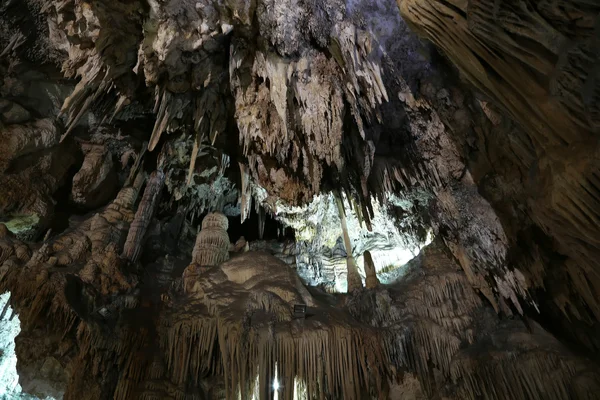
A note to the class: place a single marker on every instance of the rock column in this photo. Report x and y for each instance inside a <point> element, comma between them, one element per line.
<point>354,279</point>
<point>371,280</point>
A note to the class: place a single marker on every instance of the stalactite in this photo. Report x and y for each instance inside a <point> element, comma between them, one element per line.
<point>354,280</point>
<point>143,216</point>
<point>16,40</point>
<point>195,154</point>
<point>5,308</point>
<point>246,193</point>
<point>306,104</point>
<point>164,108</point>
<point>262,217</point>
<point>245,332</point>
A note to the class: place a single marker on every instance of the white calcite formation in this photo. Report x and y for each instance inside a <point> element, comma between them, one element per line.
<point>320,253</point>
<point>457,176</point>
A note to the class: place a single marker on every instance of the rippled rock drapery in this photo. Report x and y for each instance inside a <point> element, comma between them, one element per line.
<point>33,178</point>
<point>537,64</point>
<point>242,310</point>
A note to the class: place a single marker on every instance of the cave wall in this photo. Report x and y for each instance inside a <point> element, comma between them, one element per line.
<point>534,156</point>
<point>123,123</point>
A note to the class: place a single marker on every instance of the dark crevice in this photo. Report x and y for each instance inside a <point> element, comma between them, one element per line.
<point>274,230</point>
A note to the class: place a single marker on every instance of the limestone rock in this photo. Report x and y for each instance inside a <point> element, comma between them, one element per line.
<point>13,113</point>
<point>34,167</point>
<point>211,249</point>
<point>143,216</point>
<point>94,184</point>
<point>371,280</point>
<point>212,244</point>
<point>484,137</point>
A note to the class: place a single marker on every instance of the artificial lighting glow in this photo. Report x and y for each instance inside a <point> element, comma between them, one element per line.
<point>276,385</point>
<point>391,241</point>
<point>299,389</point>
<point>9,380</point>
<point>10,326</point>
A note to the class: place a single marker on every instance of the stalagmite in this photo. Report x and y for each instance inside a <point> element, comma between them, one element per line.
<point>211,248</point>
<point>354,280</point>
<point>212,243</point>
<point>371,280</point>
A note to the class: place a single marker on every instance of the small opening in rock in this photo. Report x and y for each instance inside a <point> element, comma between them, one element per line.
<point>249,229</point>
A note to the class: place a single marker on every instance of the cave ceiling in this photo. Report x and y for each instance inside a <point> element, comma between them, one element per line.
<point>176,176</point>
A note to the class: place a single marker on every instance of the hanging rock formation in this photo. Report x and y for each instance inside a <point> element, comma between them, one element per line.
<point>33,166</point>
<point>469,149</point>
<point>536,64</point>
<point>95,182</point>
<point>143,216</point>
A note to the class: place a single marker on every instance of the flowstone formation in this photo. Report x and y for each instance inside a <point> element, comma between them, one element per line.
<point>538,65</point>
<point>300,199</point>
<point>234,330</point>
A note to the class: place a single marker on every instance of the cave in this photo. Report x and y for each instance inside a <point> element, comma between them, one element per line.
<point>299,199</point>
<point>258,226</point>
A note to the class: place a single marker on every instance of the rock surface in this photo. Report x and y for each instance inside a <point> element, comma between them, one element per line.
<point>94,184</point>
<point>123,123</point>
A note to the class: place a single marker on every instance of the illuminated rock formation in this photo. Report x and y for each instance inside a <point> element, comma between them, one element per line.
<point>458,169</point>
<point>537,65</point>
<point>354,281</point>
<point>212,243</point>
<point>211,249</point>
<point>371,280</point>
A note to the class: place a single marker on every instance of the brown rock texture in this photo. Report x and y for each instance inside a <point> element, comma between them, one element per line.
<point>143,216</point>
<point>536,64</point>
<point>94,183</point>
<point>139,140</point>
<point>371,280</point>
